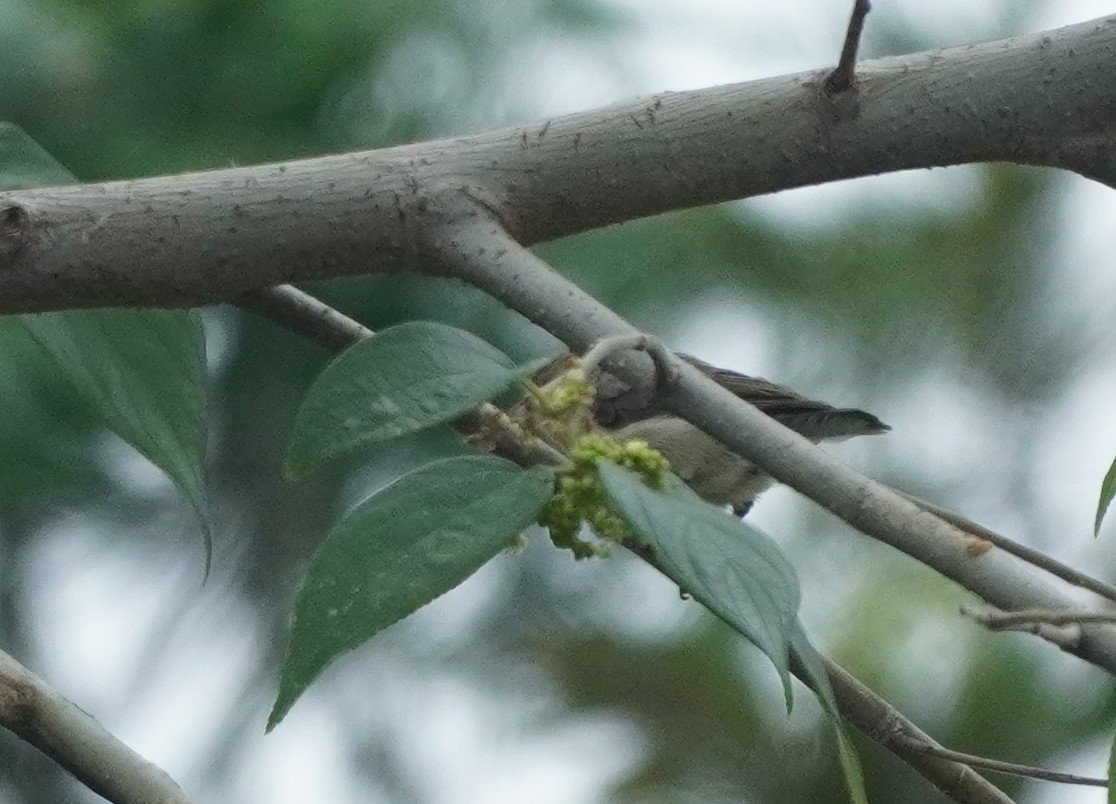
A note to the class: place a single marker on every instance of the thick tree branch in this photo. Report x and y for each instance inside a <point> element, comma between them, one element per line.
<point>77,742</point>
<point>208,237</point>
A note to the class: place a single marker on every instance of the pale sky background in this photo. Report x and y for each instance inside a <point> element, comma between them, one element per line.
<point>99,617</point>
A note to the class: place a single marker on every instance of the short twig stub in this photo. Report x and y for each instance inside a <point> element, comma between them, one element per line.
<point>843,77</point>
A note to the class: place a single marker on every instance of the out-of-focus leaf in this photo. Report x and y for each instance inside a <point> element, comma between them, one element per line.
<point>398,550</point>
<point>42,437</point>
<point>24,163</point>
<point>142,371</point>
<point>732,568</point>
<point>810,662</point>
<point>1107,492</point>
<point>402,380</point>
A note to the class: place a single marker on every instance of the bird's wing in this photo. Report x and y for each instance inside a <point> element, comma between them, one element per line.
<point>813,419</point>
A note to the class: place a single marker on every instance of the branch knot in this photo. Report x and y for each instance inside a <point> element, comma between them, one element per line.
<point>15,224</point>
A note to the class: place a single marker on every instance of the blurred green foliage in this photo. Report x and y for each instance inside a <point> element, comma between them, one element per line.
<point>119,89</point>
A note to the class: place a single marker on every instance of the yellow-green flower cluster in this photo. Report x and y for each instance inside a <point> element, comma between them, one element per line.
<point>569,395</point>
<point>580,497</point>
<point>562,410</point>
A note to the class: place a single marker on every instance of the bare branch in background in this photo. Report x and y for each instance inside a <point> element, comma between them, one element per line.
<point>1010,768</point>
<point>1026,618</point>
<point>38,714</point>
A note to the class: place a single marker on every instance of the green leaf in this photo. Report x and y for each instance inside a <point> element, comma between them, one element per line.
<point>813,669</point>
<point>398,550</point>
<point>732,568</point>
<point>404,379</point>
<point>1108,491</point>
<point>142,372</point>
<point>24,163</point>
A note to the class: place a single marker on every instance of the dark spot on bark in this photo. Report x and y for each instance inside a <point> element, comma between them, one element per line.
<point>14,224</point>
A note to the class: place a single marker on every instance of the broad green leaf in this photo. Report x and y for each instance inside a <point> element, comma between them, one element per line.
<point>733,569</point>
<point>398,550</point>
<point>1108,491</point>
<point>24,163</point>
<point>141,371</point>
<point>813,671</point>
<point>401,380</point>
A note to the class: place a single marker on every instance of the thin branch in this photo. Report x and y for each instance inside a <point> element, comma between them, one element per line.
<point>608,348</point>
<point>41,716</point>
<point>1010,768</point>
<point>881,722</point>
<point>302,313</point>
<point>1067,637</point>
<point>948,770</point>
<point>156,242</point>
<point>1008,620</point>
<point>843,76</point>
<point>868,712</point>
<point>480,253</point>
<point>1039,559</point>
<point>486,426</point>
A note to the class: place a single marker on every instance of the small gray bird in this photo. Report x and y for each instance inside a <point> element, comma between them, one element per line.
<point>716,474</point>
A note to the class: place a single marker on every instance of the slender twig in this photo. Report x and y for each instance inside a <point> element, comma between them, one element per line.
<point>40,715</point>
<point>313,319</point>
<point>1005,620</point>
<point>479,252</point>
<point>303,314</point>
<point>1010,768</point>
<point>606,348</point>
<point>1030,555</point>
<point>306,315</point>
<point>881,722</point>
<point>844,74</point>
<point>1066,635</point>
